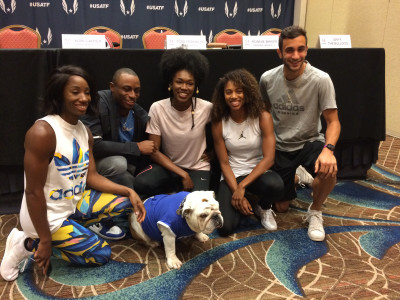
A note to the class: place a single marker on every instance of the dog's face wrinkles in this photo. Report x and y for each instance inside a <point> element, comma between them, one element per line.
<point>201,211</point>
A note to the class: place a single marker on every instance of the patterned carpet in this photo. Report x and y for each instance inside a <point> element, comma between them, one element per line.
<point>360,258</point>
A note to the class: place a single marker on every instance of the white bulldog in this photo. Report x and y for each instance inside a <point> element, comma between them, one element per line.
<point>173,216</point>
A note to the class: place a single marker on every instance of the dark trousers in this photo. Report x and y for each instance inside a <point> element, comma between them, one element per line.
<point>269,188</point>
<point>156,180</point>
<point>286,164</point>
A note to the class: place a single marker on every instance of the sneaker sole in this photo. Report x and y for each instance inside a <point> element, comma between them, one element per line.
<point>317,239</point>
<point>270,229</point>
<point>111,238</point>
<point>108,237</point>
<point>8,242</point>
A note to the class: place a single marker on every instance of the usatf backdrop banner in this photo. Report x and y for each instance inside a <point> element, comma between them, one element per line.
<point>131,18</point>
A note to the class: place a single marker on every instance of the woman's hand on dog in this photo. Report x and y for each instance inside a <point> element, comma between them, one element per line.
<point>138,206</point>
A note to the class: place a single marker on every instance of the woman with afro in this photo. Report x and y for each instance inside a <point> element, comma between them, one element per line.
<point>177,127</point>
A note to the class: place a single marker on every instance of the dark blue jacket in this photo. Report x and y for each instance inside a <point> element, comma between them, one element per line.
<point>104,128</point>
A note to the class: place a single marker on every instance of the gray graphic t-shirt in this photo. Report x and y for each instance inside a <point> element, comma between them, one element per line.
<point>297,105</point>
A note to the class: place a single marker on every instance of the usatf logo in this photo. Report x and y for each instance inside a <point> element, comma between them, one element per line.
<point>210,36</point>
<point>127,11</point>
<point>234,11</point>
<point>70,10</point>
<point>130,36</point>
<point>255,9</point>
<point>155,7</point>
<point>39,4</point>
<point>99,5</point>
<point>181,12</point>
<point>206,8</point>
<point>10,9</point>
<point>49,37</point>
<point>276,15</point>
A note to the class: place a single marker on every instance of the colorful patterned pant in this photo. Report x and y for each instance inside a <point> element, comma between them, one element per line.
<point>75,243</point>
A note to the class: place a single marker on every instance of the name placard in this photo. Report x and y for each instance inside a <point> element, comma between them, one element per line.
<point>260,42</point>
<point>186,41</point>
<point>334,41</point>
<point>83,41</point>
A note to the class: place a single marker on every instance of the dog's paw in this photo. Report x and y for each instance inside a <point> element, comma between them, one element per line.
<point>174,262</point>
<point>152,244</point>
<point>202,237</point>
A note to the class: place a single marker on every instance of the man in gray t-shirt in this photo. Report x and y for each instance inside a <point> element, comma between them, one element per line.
<point>298,94</point>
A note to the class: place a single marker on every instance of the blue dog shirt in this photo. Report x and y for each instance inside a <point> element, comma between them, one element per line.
<point>162,209</point>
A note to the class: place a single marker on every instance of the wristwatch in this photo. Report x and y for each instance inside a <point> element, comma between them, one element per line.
<point>330,147</point>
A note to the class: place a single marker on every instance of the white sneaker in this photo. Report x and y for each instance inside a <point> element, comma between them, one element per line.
<point>267,217</point>
<point>14,254</point>
<point>305,178</point>
<point>113,233</point>
<point>316,231</point>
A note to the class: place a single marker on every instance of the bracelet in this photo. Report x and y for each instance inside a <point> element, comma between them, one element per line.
<point>330,147</point>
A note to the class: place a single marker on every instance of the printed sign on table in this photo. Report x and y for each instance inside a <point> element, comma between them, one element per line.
<point>186,41</point>
<point>260,42</point>
<point>335,41</point>
<point>83,41</point>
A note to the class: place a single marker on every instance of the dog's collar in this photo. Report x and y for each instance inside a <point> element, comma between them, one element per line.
<point>179,210</point>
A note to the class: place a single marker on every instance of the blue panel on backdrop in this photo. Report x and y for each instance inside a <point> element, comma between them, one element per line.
<point>131,18</point>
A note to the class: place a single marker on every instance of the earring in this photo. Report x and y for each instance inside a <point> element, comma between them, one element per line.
<point>169,88</point>
<point>197,91</point>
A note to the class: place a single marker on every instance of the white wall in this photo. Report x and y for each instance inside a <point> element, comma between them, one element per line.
<point>371,23</point>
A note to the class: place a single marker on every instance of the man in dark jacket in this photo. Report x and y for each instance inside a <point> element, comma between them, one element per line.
<point>121,147</point>
<point>120,141</point>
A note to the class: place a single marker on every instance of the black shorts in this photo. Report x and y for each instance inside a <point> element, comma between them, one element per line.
<point>286,164</point>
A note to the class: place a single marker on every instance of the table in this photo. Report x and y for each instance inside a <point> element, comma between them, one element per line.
<point>358,75</point>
